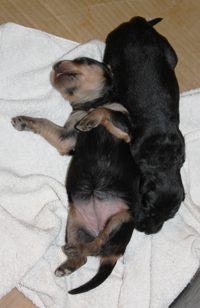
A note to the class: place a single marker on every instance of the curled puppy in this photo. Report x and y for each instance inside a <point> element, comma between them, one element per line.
<point>144,81</point>
<point>102,180</point>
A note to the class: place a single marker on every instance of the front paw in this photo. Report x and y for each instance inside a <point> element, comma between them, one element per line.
<point>23,123</point>
<point>87,123</point>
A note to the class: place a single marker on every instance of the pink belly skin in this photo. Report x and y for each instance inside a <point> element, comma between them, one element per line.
<point>94,213</point>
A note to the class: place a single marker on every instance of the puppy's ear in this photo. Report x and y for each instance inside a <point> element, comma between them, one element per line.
<point>168,50</point>
<point>154,21</point>
<point>170,54</point>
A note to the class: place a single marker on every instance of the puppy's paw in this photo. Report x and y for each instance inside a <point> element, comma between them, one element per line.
<point>71,251</point>
<point>62,271</point>
<point>23,123</point>
<point>87,123</point>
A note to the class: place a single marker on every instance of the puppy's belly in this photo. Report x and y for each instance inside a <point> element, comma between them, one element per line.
<point>95,213</point>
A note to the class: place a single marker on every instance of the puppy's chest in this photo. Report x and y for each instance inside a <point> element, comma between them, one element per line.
<point>95,213</point>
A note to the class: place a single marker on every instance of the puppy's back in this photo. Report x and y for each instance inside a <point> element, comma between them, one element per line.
<point>143,65</point>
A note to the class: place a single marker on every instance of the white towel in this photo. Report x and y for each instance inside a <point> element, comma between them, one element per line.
<point>33,200</point>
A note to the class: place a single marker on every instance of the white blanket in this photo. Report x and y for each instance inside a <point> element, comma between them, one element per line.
<point>33,201</point>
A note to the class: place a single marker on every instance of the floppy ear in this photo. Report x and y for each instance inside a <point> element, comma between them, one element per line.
<point>170,54</point>
<point>154,21</point>
<point>168,50</point>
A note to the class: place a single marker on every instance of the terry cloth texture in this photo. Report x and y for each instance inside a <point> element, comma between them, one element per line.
<point>33,200</point>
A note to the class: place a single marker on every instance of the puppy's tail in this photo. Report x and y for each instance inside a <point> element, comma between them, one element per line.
<point>154,21</point>
<point>105,269</point>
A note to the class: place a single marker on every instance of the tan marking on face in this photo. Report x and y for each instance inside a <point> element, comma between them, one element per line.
<point>86,80</point>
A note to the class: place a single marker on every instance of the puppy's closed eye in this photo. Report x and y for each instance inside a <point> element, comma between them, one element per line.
<point>70,91</point>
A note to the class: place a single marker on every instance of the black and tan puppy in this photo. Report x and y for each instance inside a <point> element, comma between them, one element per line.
<point>102,180</point>
<point>143,63</point>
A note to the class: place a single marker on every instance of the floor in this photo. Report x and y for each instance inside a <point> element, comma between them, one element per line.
<point>190,296</point>
<point>81,20</point>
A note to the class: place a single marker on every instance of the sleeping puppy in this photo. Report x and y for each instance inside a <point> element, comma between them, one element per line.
<point>143,63</point>
<point>103,180</point>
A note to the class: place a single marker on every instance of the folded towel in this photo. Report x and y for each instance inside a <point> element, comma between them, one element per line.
<point>33,200</point>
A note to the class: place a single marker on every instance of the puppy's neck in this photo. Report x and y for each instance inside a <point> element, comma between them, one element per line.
<point>86,106</point>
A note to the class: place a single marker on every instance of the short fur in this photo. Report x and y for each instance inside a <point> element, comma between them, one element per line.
<point>143,63</point>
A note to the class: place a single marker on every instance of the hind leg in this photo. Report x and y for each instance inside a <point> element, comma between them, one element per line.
<point>112,240</point>
<point>70,266</point>
<point>117,240</point>
<point>76,234</point>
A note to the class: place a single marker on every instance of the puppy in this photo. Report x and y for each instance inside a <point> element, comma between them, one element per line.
<point>144,81</point>
<point>103,180</point>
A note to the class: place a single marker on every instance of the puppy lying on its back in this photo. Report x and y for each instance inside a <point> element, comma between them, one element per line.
<point>143,63</point>
<point>102,180</point>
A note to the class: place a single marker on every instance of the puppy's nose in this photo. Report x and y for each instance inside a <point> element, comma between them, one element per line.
<point>56,66</point>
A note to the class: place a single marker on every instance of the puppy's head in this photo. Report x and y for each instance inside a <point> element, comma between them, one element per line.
<point>130,40</point>
<point>161,195</point>
<point>81,80</point>
<point>161,157</point>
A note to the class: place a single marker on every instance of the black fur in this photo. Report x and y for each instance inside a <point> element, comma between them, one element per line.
<point>104,271</point>
<point>102,167</point>
<point>143,63</point>
<point>98,169</point>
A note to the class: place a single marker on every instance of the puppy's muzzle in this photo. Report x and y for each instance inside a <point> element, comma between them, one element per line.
<point>56,66</point>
